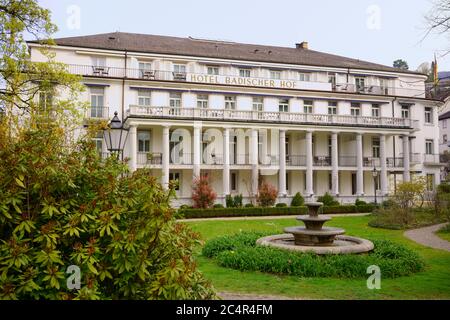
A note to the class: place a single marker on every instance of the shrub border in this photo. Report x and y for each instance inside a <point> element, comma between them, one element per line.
<point>268,211</point>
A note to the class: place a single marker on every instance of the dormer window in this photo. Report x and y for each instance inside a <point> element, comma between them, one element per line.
<point>275,74</point>
<point>213,70</point>
<point>230,102</point>
<point>245,73</point>
<point>179,72</point>
<point>305,76</point>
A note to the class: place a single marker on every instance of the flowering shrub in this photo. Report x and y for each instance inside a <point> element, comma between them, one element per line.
<point>202,193</point>
<point>267,195</point>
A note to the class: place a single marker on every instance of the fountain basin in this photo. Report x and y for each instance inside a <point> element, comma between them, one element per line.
<point>305,236</point>
<point>342,244</point>
<point>313,222</point>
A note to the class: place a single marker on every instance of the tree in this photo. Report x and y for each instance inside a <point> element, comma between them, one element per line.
<point>202,193</point>
<point>425,68</point>
<point>438,20</point>
<point>401,64</point>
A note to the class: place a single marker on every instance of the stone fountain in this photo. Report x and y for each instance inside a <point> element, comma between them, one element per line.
<point>314,237</point>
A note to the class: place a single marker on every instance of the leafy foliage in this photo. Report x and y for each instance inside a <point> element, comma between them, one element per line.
<point>267,195</point>
<point>202,193</point>
<point>240,252</point>
<point>234,202</point>
<point>328,200</point>
<point>297,200</point>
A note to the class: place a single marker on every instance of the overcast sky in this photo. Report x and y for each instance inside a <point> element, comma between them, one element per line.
<point>379,31</point>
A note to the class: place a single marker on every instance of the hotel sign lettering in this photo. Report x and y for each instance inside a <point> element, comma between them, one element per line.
<point>241,81</point>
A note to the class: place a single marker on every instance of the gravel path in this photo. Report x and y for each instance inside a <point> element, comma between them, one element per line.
<point>425,236</point>
<point>269,217</point>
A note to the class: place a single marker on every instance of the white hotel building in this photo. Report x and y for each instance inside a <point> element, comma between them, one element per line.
<point>303,120</point>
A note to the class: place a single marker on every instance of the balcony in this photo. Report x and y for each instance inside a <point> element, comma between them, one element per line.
<point>347,161</point>
<point>296,160</point>
<point>213,159</point>
<point>268,116</point>
<point>239,159</point>
<point>149,158</point>
<point>294,83</point>
<point>322,161</point>
<point>371,162</point>
<point>395,162</point>
<point>180,158</point>
<point>432,159</point>
<point>269,160</point>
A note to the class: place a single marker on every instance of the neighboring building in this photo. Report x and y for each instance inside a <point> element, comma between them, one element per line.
<point>442,90</point>
<point>444,141</point>
<point>303,120</point>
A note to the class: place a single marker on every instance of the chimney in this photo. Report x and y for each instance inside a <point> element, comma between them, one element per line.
<point>303,45</point>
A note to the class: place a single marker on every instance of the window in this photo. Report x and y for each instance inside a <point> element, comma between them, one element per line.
<point>97,102</point>
<point>355,109</point>
<point>429,146</point>
<point>99,61</point>
<point>384,86</point>
<point>378,182</point>
<point>330,181</point>
<point>375,147</point>
<point>179,68</point>
<point>330,146</point>
<point>144,97</point>
<point>360,83</point>
<point>376,110</point>
<point>405,112</point>
<point>308,106</point>
<point>430,181</point>
<point>332,79</point>
<point>332,107</point>
<point>258,104</point>
<point>287,183</point>
<point>143,141</point>
<point>283,105</point>
<point>212,70</point>
<point>444,124</point>
<point>275,74</point>
<point>233,181</point>
<point>428,115</point>
<point>98,140</point>
<point>305,76</point>
<point>175,176</point>
<point>286,147</point>
<point>444,138</point>
<point>230,102</point>
<point>244,73</point>
<point>202,101</point>
<point>45,100</point>
<point>145,66</point>
<point>175,100</point>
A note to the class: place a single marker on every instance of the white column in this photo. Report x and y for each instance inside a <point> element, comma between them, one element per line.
<point>359,165</point>
<point>226,162</point>
<point>309,164</point>
<point>197,151</point>
<point>383,176</point>
<point>282,172</point>
<point>406,164</point>
<point>254,161</point>
<point>334,164</point>
<point>133,148</point>
<point>165,157</point>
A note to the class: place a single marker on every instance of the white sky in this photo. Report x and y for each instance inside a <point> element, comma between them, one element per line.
<point>379,31</point>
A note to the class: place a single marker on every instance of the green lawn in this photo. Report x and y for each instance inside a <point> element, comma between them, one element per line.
<point>444,234</point>
<point>433,283</point>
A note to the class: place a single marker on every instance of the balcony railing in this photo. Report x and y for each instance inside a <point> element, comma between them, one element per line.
<point>396,162</point>
<point>239,159</point>
<point>322,161</point>
<point>269,160</point>
<point>151,74</point>
<point>347,161</point>
<point>432,159</point>
<point>180,158</point>
<point>371,162</point>
<point>213,159</point>
<point>296,160</point>
<point>95,112</point>
<point>147,158</point>
<point>267,116</point>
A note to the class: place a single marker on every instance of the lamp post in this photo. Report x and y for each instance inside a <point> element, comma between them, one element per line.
<point>115,136</point>
<point>375,175</point>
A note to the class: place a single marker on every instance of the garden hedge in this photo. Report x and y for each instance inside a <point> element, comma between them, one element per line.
<point>267,211</point>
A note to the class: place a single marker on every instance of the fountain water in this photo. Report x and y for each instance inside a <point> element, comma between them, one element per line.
<point>314,237</point>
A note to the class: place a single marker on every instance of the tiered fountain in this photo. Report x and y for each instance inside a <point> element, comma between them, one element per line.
<point>315,237</point>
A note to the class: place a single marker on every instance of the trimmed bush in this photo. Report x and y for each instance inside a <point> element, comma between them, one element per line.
<point>281,205</point>
<point>328,200</point>
<point>359,202</point>
<point>298,200</point>
<point>218,206</point>
<point>229,201</point>
<point>267,195</point>
<point>237,201</point>
<point>240,252</point>
<point>249,205</point>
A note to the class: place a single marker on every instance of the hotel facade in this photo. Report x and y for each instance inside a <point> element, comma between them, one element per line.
<point>302,120</point>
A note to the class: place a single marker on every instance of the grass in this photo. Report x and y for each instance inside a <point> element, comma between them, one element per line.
<point>433,283</point>
<point>444,233</point>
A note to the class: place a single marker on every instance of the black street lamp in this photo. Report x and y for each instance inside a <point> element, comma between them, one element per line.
<point>375,175</point>
<point>115,136</point>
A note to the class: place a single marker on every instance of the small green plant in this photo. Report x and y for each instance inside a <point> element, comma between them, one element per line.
<point>237,201</point>
<point>229,201</point>
<point>359,202</point>
<point>218,206</point>
<point>298,200</point>
<point>328,200</point>
<point>249,205</point>
<point>281,205</point>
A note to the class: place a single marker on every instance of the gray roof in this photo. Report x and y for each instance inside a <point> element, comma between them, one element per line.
<point>444,116</point>
<point>218,49</point>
